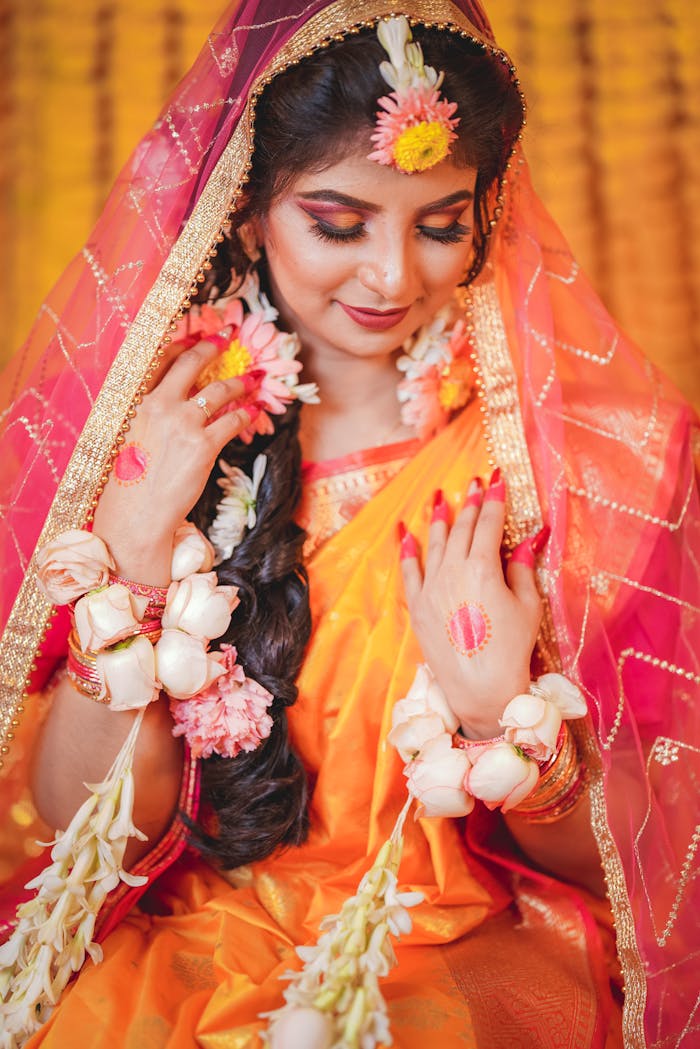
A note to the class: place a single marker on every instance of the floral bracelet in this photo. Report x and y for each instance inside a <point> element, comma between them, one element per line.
<point>446,773</point>
<point>130,641</point>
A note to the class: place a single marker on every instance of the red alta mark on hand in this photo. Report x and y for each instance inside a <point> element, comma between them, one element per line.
<point>469,628</point>
<point>131,464</point>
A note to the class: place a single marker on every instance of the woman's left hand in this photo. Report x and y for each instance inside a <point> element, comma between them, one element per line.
<point>476,625</point>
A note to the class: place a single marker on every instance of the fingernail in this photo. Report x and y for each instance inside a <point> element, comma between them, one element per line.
<point>537,544</point>
<point>440,508</point>
<point>253,411</point>
<point>526,552</point>
<point>219,340</point>
<point>496,490</point>
<point>523,554</point>
<point>474,492</point>
<point>251,380</point>
<point>408,546</point>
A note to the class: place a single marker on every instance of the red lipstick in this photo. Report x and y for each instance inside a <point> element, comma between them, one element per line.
<point>375,320</point>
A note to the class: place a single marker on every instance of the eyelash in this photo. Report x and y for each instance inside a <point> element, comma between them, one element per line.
<point>455,233</point>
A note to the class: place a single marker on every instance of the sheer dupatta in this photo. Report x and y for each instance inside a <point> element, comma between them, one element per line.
<point>589,436</point>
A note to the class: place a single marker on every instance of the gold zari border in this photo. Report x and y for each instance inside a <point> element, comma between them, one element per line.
<point>505,432</point>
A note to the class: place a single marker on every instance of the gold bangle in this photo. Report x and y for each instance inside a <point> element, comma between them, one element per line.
<point>560,788</point>
<point>564,807</point>
<point>82,671</point>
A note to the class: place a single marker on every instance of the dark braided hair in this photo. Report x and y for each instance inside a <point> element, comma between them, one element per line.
<point>324,109</point>
<point>260,797</point>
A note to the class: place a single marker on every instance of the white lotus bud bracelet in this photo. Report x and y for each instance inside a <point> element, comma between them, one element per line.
<point>533,769</point>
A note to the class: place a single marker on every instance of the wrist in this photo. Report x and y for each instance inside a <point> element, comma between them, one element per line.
<point>478,731</point>
<point>145,560</point>
<point>500,766</point>
<point>486,723</point>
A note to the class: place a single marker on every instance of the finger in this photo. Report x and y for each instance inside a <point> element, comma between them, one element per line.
<point>488,531</point>
<point>437,536</point>
<point>186,368</point>
<point>460,538</point>
<point>410,564</point>
<point>183,368</point>
<point>231,424</point>
<point>166,355</point>
<point>520,573</point>
<point>222,392</point>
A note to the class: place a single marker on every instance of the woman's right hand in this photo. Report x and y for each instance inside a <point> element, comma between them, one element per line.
<point>163,466</point>
<point>476,625</point>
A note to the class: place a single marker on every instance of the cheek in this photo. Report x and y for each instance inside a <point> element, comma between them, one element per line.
<point>296,257</point>
<point>446,268</point>
<point>304,268</point>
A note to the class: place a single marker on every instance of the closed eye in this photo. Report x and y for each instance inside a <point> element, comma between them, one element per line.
<point>455,233</point>
<point>337,235</point>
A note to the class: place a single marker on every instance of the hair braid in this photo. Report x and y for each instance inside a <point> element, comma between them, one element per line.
<point>260,797</point>
<point>309,117</point>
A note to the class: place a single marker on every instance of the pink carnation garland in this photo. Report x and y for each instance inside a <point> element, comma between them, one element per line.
<point>227,717</point>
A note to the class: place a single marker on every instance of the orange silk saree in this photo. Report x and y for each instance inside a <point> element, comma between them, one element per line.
<point>489,963</point>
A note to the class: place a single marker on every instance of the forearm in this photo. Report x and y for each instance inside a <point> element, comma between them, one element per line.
<point>77,745</point>
<point>81,737</point>
<point>566,847</point>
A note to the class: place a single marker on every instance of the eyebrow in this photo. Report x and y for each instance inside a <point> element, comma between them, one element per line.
<point>330,196</point>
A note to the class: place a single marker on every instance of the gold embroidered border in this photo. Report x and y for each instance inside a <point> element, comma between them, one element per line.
<point>77,490</point>
<point>498,389</point>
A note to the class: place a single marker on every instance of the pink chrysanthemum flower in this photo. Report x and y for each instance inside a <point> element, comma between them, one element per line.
<point>414,130</point>
<point>227,717</point>
<point>249,342</point>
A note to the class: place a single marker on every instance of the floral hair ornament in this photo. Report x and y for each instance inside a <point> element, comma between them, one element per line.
<point>238,508</point>
<point>415,126</point>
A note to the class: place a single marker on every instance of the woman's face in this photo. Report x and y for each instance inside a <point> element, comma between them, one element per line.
<point>361,255</point>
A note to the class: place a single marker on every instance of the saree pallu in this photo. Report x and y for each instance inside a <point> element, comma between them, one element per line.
<point>489,963</point>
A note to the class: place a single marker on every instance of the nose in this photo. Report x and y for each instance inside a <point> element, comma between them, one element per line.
<point>388,271</point>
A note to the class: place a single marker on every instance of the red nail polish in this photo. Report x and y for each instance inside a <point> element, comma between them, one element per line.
<point>253,411</point>
<point>538,543</point>
<point>496,490</point>
<point>523,554</point>
<point>441,510</point>
<point>401,528</point>
<point>474,492</point>
<point>220,341</point>
<point>251,380</point>
<point>409,546</point>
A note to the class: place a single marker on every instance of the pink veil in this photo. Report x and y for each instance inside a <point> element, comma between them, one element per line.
<point>589,436</point>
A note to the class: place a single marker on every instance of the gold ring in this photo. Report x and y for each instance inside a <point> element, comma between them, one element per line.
<point>201,402</point>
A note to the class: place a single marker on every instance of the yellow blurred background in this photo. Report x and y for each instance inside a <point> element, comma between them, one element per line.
<point>613,139</point>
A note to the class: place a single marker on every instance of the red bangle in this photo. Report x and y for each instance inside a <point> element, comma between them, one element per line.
<point>470,744</point>
<point>157,595</point>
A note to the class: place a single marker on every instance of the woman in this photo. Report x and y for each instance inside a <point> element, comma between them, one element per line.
<point>356,256</point>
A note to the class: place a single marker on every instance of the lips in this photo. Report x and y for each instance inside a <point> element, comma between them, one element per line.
<point>375,320</point>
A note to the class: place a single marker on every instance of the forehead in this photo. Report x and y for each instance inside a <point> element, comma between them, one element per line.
<point>382,186</point>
